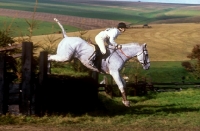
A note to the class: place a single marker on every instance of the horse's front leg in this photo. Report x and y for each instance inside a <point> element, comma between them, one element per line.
<point>121,85</point>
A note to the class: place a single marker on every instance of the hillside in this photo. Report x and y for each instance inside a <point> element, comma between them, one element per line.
<point>94,14</point>
<point>175,27</point>
<point>166,42</point>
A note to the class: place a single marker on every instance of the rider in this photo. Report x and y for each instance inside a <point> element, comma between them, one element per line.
<point>108,36</point>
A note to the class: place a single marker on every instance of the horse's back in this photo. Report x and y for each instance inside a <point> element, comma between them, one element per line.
<point>69,40</point>
<point>67,44</point>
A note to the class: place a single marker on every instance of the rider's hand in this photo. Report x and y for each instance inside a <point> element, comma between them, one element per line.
<point>118,47</point>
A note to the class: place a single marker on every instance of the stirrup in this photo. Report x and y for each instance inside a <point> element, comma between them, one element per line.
<point>91,63</point>
<point>93,56</point>
<point>126,103</point>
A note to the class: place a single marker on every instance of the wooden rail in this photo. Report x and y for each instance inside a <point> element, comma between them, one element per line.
<point>12,47</point>
<point>142,88</point>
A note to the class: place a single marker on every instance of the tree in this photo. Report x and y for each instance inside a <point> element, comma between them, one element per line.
<point>5,39</point>
<point>195,53</point>
<point>194,67</point>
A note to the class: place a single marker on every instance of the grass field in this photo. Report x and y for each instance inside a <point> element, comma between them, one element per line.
<point>168,111</point>
<point>19,26</point>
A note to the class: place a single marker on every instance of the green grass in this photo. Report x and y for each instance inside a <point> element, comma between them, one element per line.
<point>159,72</point>
<point>155,111</point>
<point>169,72</point>
<point>66,68</point>
<point>19,27</point>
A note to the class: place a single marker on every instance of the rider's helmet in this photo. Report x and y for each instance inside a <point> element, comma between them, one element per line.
<point>121,25</point>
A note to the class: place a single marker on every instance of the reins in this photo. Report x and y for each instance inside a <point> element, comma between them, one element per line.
<point>120,49</point>
<point>124,53</point>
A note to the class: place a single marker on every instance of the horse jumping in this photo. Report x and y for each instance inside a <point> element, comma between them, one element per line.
<point>111,63</point>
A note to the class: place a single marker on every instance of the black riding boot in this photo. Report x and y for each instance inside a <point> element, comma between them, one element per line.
<point>92,59</point>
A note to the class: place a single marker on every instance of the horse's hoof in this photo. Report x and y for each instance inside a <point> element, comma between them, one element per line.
<point>126,103</point>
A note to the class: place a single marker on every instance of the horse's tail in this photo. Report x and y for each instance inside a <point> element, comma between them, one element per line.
<point>63,31</point>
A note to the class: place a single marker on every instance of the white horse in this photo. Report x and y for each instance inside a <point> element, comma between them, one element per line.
<point>112,63</point>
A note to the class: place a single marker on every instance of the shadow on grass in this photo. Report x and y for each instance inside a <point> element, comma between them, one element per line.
<point>78,96</point>
<point>63,94</point>
<point>109,107</point>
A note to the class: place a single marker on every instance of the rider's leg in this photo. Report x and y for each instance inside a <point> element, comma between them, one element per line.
<point>92,59</point>
<point>100,42</point>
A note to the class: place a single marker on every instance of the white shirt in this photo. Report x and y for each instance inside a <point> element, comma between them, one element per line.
<point>109,35</point>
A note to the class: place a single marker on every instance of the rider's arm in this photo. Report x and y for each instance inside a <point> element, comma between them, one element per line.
<point>113,34</point>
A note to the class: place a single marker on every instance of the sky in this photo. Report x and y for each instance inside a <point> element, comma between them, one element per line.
<point>171,1</point>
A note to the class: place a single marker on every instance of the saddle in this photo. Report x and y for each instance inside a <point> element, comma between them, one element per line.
<point>95,58</point>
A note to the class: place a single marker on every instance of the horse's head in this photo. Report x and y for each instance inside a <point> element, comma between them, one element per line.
<point>143,57</point>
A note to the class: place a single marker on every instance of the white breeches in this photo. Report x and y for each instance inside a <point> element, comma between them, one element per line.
<point>100,42</point>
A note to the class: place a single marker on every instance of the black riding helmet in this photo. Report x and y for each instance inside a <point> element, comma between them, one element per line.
<point>121,25</point>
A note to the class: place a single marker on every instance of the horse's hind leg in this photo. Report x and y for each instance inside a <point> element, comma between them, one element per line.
<point>57,58</point>
<point>54,58</point>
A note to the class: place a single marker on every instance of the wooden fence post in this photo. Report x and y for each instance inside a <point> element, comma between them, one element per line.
<point>27,56</point>
<point>3,90</point>
<point>95,76</point>
<point>42,79</point>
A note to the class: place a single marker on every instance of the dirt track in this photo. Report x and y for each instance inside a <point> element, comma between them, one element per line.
<point>39,128</point>
<point>80,22</point>
<point>98,128</point>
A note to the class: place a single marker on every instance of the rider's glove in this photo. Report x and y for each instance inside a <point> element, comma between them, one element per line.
<point>118,47</point>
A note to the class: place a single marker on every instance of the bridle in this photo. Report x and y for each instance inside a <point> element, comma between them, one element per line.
<point>145,55</point>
